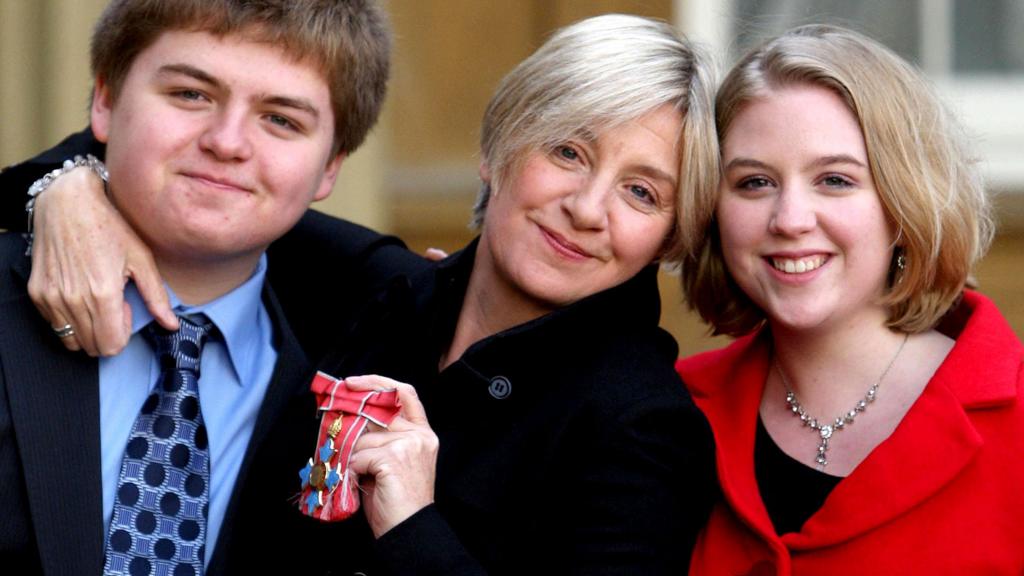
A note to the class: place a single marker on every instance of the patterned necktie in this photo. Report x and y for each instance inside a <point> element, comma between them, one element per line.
<point>159,521</point>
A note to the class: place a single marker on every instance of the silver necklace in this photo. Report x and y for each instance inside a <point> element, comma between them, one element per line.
<point>823,430</point>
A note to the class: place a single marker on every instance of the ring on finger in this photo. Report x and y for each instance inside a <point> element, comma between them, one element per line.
<point>64,331</point>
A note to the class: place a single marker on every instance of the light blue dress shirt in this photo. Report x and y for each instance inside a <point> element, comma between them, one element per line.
<point>234,375</point>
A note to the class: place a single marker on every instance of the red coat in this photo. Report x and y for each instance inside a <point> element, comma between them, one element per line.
<point>944,494</point>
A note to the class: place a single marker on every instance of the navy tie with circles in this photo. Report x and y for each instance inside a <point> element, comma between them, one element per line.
<point>159,520</point>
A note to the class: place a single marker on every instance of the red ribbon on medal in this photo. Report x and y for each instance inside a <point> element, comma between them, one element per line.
<point>330,490</point>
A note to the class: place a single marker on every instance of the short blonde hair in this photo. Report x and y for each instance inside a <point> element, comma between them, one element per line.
<point>928,184</point>
<point>600,73</point>
<point>349,41</point>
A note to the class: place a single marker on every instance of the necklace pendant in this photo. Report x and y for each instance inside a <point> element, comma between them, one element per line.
<point>820,457</point>
<point>842,421</point>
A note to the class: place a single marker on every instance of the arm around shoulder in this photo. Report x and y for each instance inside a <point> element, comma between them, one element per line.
<point>16,179</point>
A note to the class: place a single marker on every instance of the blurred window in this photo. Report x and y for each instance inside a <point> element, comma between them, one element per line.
<point>972,49</point>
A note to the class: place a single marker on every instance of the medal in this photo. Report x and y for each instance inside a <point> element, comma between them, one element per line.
<point>344,415</point>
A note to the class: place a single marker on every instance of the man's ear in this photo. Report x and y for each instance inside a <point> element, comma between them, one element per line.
<point>100,111</point>
<point>330,175</point>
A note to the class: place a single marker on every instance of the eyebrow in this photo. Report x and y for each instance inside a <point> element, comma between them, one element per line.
<point>743,162</point>
<point>191,71</point>
<point>300,104</point>
<point>657,174</point>
<point>836,159</point>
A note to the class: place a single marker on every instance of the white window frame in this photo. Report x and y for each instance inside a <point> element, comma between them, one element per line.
<point>990,106</point>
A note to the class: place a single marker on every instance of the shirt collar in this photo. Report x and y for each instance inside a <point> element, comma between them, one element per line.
<point>235,314</point>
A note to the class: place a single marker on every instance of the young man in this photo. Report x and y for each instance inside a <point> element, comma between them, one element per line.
<point>222,121</point>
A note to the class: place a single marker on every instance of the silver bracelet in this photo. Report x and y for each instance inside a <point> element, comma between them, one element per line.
<point>40,186</point>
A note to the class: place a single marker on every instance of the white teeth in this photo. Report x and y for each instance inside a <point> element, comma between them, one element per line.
<point>797,266</point>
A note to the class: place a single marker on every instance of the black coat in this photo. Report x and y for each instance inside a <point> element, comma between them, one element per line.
<point>568,444</point>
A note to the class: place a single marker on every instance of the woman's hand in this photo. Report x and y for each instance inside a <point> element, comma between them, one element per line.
<point>397,465</point>
<point>83,254</point>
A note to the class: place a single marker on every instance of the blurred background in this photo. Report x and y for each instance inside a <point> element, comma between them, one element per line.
<point>417,175</point>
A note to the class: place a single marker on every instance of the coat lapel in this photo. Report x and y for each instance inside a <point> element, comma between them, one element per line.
<point>936,435</point>
<point>54,402</point>
<point>928,450</point>
<point>742,368</point>
<point>934,445</point>
<point>292,372</point>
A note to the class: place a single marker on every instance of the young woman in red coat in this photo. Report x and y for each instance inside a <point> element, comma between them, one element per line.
<point>868,418</point>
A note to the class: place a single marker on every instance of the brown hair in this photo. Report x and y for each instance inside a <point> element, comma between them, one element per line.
<point>349,41</point>
<point>927,182</point>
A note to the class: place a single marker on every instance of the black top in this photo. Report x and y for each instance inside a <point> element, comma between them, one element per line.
<point>791,491</point>
<point>568,444</point>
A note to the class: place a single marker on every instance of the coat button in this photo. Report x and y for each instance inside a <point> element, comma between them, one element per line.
<point>500,387</point>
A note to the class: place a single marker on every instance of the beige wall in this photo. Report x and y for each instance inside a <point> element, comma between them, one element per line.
<point>417,174</point>
<point>44,72</point>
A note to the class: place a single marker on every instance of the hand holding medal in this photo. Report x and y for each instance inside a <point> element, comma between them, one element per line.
<point>397,464</point>
<point>329,484</point>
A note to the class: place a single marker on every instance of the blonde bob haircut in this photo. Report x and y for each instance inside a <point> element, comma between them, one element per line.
<point>348,41</point>
<point>597,74</point>
<point>927,182</point>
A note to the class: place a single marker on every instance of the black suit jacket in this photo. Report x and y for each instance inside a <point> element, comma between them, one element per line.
<point>51,498</point>
<point>50,489</point>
